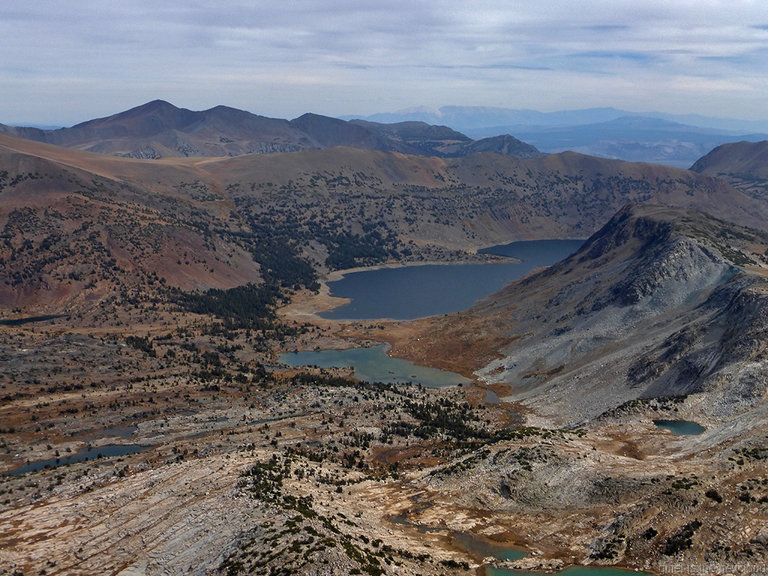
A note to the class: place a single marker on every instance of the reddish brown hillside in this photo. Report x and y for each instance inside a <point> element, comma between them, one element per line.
<point>73,237</point>
<point>199,223</point>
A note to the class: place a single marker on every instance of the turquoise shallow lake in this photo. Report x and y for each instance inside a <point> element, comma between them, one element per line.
<point>409,292</point>
<point>373,365</point>
<point>482,548</point>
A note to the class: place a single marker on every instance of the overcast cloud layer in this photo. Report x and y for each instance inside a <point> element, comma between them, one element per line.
<point>64,62</point>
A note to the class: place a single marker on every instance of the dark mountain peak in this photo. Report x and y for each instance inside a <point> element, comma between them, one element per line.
<point>313,123</point>
<point>646,224</point>
<point>143,121</point>
<point>225,111</point>
<point>663,245</point>
<point>312,117</point>
<point>156,108</point>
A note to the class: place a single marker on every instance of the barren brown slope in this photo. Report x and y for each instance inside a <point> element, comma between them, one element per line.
<point>737,158</point>
<point>482,199</point>
<point>558,195</point>
<point>77,231</point>
<point>159,172</point>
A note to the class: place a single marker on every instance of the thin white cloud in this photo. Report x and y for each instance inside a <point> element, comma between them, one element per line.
<point>65,62</point>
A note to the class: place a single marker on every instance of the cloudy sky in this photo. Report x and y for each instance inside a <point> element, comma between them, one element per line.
<point>65,62</point>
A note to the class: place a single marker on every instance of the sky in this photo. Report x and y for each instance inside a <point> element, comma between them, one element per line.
<point>67,62</point>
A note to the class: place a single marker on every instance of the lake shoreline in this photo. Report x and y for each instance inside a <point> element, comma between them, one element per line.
<point>368,330</point>
<point>420,290</point>
<point>307,306</point>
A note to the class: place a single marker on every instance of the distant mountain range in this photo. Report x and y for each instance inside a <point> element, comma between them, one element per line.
<point>159,129</point>
<point>474,119</point>
<point>675,140</point>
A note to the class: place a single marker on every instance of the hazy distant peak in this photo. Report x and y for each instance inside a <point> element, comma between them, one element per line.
<point>419,110</point>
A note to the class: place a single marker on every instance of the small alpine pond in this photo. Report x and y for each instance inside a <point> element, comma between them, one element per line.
<point>680,427</point>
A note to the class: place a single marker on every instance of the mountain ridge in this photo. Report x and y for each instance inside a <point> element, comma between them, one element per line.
<point>159,129</point>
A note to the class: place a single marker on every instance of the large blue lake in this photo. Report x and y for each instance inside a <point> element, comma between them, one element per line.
<point>410,292</point>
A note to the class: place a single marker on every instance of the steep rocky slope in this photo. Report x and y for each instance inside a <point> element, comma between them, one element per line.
<point>658,303</point>
<point>661,315</point>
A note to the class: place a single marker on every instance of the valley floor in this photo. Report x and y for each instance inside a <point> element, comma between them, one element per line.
<point>250,470</point>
